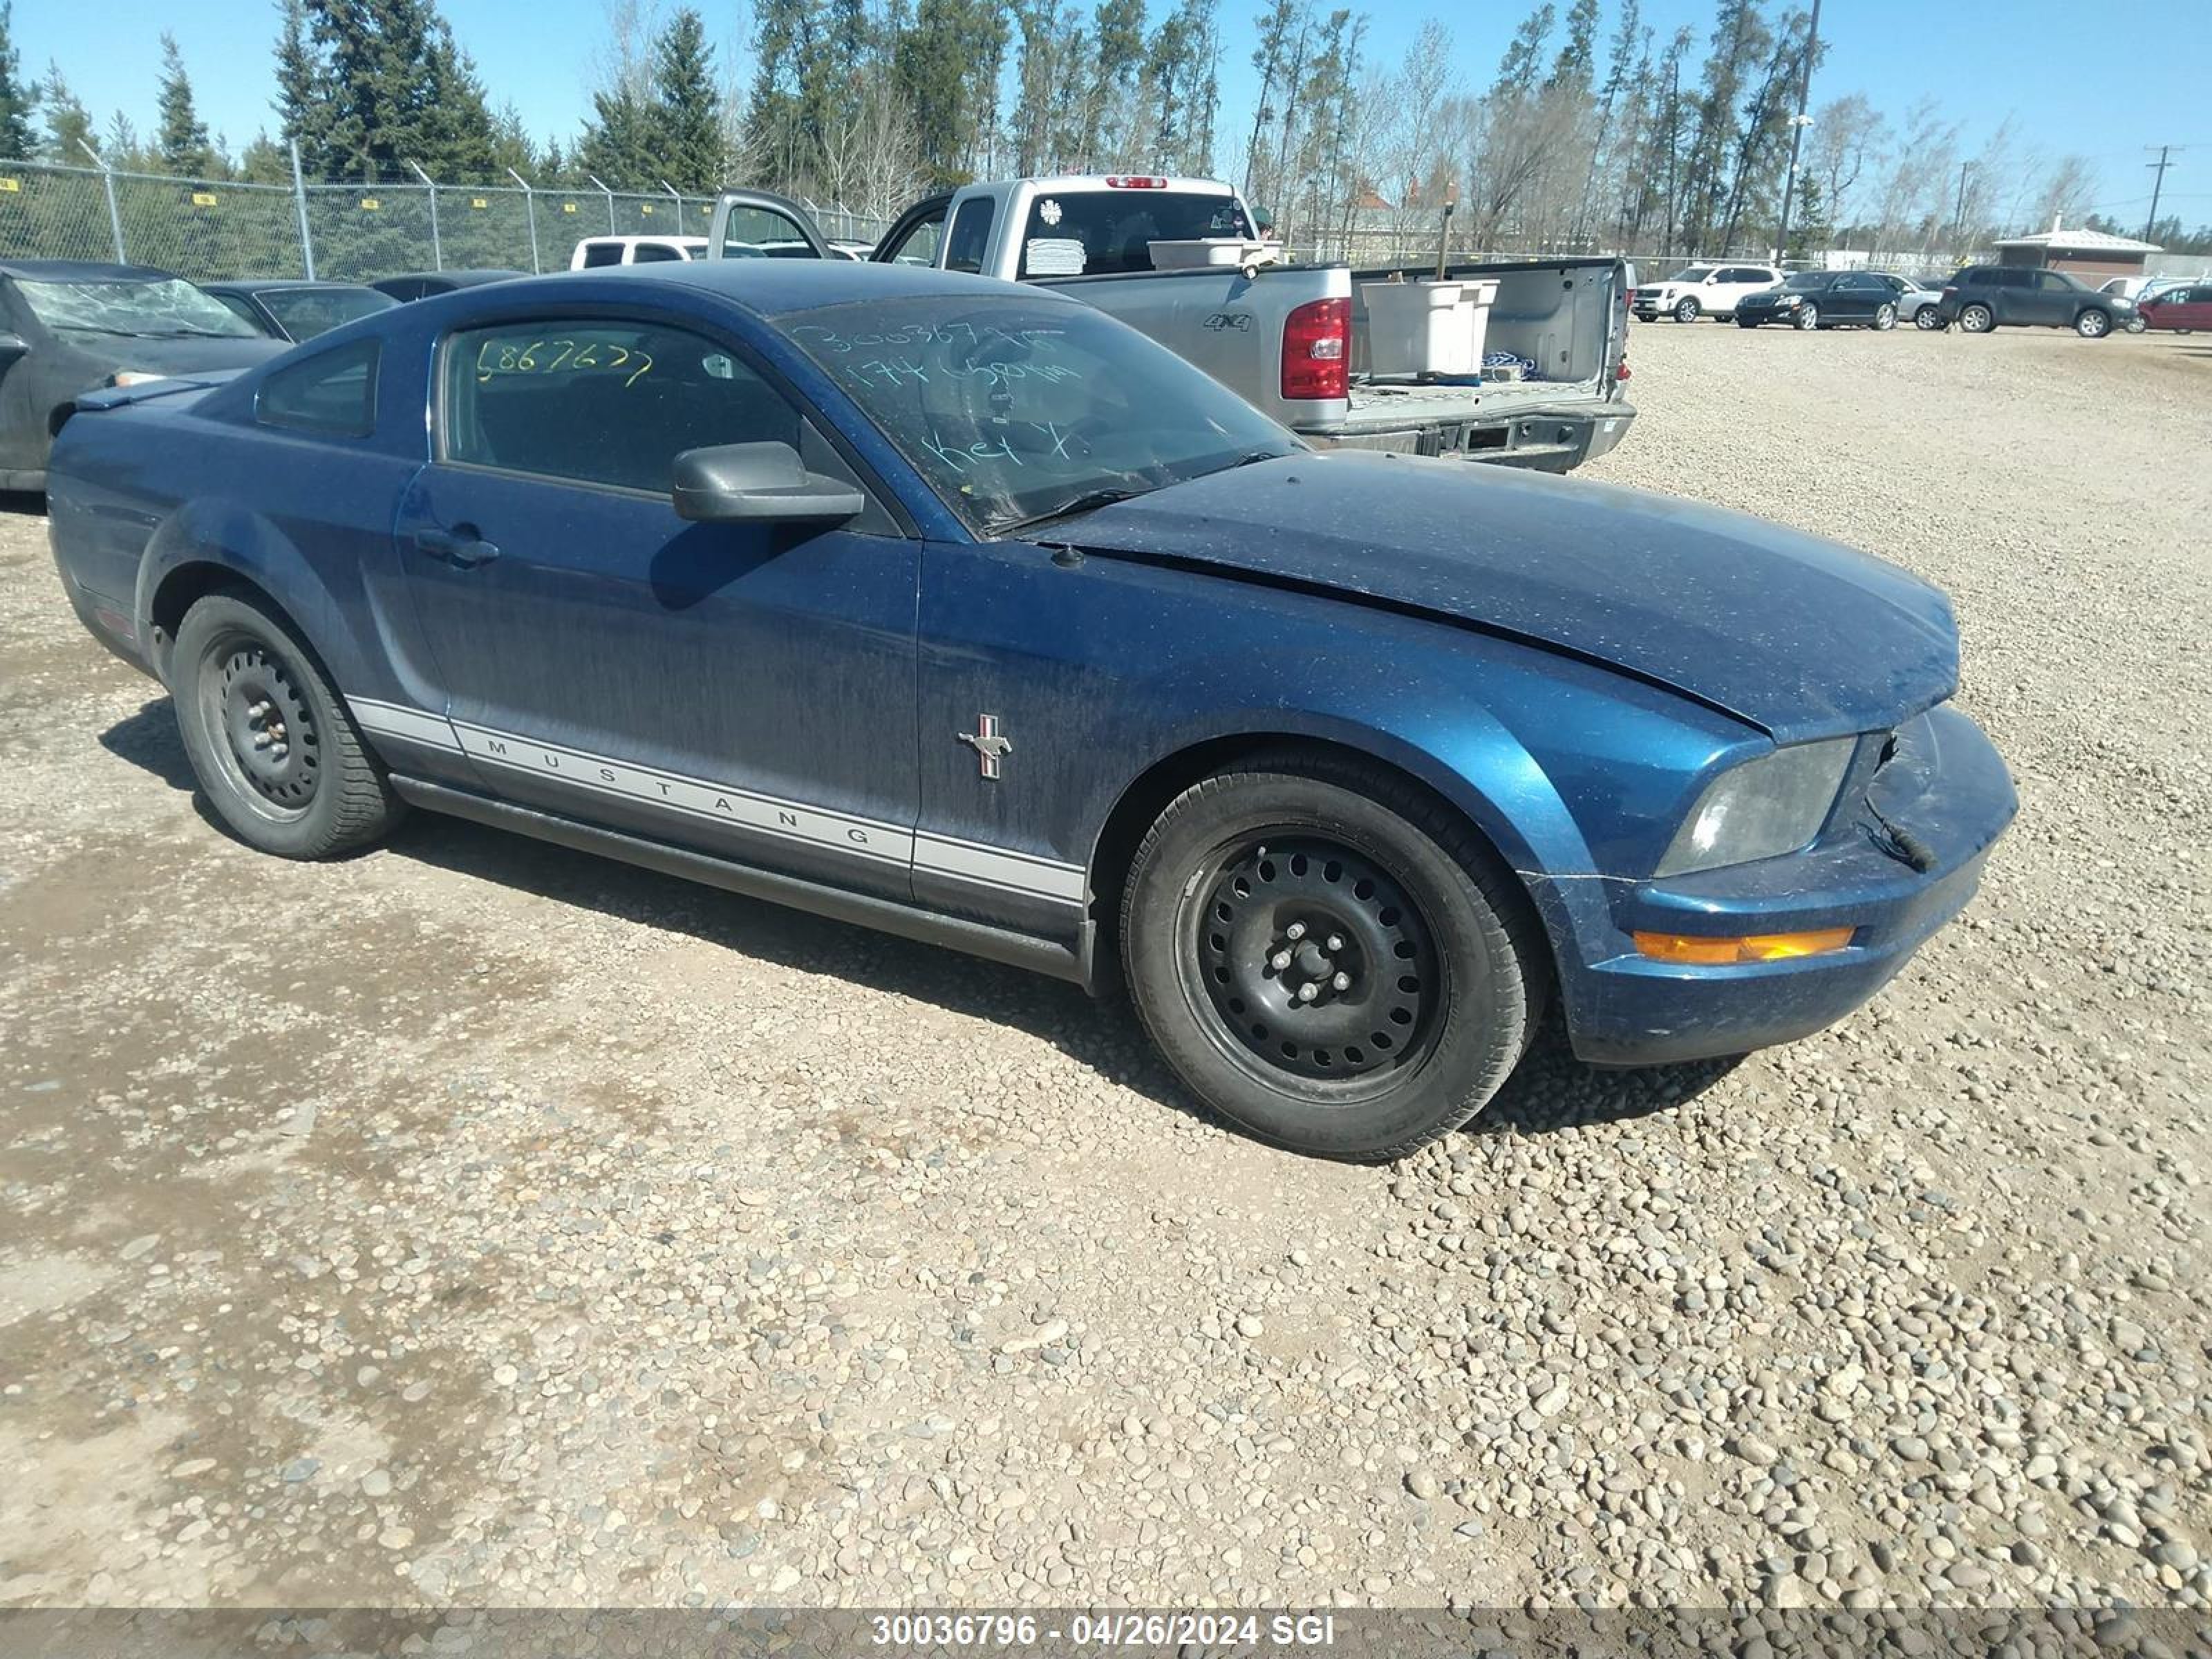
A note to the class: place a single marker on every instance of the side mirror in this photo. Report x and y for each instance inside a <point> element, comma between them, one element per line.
<point>757,483</point>
<point>12,346</point>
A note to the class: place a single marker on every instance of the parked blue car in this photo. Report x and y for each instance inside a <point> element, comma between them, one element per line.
<point>964,611</point>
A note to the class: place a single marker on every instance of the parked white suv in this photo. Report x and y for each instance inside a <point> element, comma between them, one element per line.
<point>596,250</point>
<point>1696,291</point>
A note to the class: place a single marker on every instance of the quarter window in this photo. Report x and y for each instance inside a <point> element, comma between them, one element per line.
<point>603,403</point>
<point>333,393</point>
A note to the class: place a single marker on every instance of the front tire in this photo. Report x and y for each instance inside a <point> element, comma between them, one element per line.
<point>2093,325</point>
<point>1327,957</point>
<point>1685,310</point>
<point>1976,320</point>
<point>1747,322</point>
<point>1809,318</point>
<point>1885,318</point>
<point>276,753</point>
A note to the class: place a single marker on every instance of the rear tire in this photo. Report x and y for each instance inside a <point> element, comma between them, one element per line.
<point>1746,322</point>
<point>1328,958</point>
<point>1928,316</point>
<point>1685,310</point>
<point>1885,318</point>
<point>1976,320</point>
<point>277,755</point>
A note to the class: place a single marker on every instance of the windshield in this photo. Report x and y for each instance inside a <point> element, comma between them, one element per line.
<point>166,309</point>
<point>1694,273</point>
<point>1013,409</point>
<point>1085,233</point>
<point>307,311</point>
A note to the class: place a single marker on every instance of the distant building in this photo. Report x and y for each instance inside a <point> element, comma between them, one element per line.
<point>2091,253</point>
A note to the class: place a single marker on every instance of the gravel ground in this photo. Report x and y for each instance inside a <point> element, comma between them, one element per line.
<point>476,1221</point>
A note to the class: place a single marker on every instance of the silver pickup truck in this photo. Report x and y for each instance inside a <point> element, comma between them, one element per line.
<point>1296,340</point>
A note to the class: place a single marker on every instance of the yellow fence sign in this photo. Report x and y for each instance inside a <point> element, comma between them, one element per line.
<point>370,204</point>
<point>477,202</point>
<point>202,198</point>
<point>10,186</point>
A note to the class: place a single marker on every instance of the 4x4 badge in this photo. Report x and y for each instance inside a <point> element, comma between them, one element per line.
<point>989,746</point>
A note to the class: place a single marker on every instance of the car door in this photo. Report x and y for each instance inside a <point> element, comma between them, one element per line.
<point>2050,299</point>
<point>746,689</point>
<point>1858,295</point>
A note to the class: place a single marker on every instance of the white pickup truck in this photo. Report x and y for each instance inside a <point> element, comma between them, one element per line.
<point>1293,340</point>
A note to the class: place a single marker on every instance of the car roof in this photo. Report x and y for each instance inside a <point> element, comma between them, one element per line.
<point>774,286</point>
<point>82,271</point>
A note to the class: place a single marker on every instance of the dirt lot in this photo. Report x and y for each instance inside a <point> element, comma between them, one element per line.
<point>474,1221</point>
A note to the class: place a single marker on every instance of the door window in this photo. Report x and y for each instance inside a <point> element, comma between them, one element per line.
<point>594,402</point>
<point>239,308</point>
<point>970,235</point>
<point>2052,282</point>
<point>919,245</point>
<point>754,231</point>
<point>646,253</point>
<point>602,253</point>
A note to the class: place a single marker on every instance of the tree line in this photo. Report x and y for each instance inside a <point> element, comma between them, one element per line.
<point>1595,131</point>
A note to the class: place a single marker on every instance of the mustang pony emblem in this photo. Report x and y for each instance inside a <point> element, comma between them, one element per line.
<point>991,748</point>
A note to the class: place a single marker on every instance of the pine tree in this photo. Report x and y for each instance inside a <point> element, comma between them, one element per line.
<point>687,107</point>
<point>180,137</point>
<point>1578,56</point>
<point>386,85</point>
<point>18,97</point>
<point>1516,70</point>
<point>301,113</point>
<point>69,122</point>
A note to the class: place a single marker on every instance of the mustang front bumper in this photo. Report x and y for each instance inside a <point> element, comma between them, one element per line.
<point>1902,859</point>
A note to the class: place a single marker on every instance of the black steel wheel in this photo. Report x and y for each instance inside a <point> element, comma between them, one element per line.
<point>271,740</point>
<point>1329,957</point>
<point>1313,960</point>
<point>270,746</point>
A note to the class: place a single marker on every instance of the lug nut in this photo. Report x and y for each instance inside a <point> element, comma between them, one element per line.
<point>1307,992</point>
<point>1295,931</point>
<point>1342,982</point>
<point>1280,961</point>
<point>1336,942</point>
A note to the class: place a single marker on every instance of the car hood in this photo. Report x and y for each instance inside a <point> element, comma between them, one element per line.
<point>1801,637</point>
<point>178,356</point>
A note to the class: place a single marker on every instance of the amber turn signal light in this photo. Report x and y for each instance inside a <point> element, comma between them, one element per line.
<point>1708,952</point>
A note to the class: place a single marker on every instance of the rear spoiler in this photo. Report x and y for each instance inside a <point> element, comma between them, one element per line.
<point>115,397</point>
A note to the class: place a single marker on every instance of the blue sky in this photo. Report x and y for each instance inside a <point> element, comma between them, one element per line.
<point>2129,86</point>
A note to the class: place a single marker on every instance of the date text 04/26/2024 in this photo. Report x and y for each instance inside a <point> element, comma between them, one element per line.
<point>1170,1631</point>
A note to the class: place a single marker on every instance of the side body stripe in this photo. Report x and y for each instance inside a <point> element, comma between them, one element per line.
<point>998,868</point>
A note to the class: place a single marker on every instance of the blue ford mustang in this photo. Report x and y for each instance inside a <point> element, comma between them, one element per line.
<point>962,610</point>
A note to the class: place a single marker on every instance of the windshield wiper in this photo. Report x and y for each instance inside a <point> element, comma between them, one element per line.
<point>193,333</point>
<point>96,328</point>
<point>1089,499</point>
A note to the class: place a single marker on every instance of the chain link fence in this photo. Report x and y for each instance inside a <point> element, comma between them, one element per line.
<point>209,230</point>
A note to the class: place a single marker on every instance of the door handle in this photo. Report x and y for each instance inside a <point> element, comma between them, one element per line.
<point>461,547</point>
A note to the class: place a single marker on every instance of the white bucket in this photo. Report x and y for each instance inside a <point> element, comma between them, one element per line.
<point>1427,327</point>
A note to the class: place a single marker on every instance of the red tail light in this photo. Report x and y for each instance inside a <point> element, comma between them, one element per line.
<point>1621,374</point>
<point>1317,350</point>
<point>1117,183</point>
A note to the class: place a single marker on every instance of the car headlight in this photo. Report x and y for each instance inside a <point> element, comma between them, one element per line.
<point>1785,299</point>
<point>1774,804</point>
